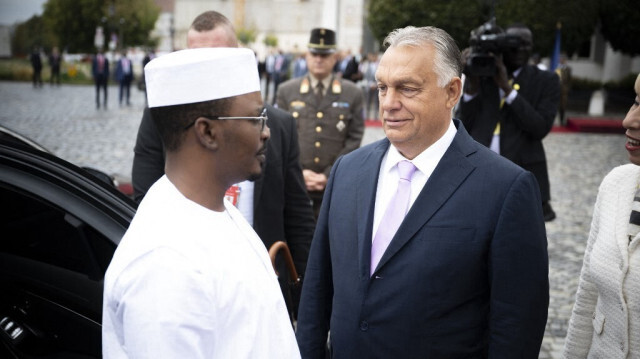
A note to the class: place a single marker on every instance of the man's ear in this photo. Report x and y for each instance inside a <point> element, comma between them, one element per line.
<point>454,90</point>
<point>207,132</point>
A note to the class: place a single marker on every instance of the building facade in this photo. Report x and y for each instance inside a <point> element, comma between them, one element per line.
<point>290,21</point>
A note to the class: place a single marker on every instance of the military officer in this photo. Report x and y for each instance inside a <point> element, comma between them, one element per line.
<point>328,112</point>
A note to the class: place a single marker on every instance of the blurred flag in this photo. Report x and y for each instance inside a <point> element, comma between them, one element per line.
<point>555,55</point>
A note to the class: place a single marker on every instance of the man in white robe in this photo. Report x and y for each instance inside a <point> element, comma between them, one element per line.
<point>190,278</point>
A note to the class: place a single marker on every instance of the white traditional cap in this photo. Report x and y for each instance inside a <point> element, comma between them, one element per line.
<point>202,74</point>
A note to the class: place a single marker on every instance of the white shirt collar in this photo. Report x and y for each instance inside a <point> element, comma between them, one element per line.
<point>326,82</point>
<point>427,160</point>
<point>517,72</point>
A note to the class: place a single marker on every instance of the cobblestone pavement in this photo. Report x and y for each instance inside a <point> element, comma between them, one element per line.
<point>64,120</point>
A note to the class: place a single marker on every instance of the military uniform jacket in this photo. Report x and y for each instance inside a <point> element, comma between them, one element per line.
<point>327,130</point>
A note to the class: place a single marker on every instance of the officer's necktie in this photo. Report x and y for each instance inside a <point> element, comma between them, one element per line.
<point>319,94</point>
<point>394,214</point>
<point>634,218</point>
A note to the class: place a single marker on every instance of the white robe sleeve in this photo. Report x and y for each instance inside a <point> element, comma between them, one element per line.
<point>177,322</point>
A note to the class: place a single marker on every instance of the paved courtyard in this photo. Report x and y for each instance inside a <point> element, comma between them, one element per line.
<point>65,120</point>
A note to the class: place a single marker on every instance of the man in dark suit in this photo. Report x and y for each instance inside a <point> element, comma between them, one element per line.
<point>328,111</point>
<point>124,76</point>
<point>36,65</point>
<point>100,71</point>
<point>512,111</point>
<point>276,204</point>
<point>465,273</point>
<point>54,61</point>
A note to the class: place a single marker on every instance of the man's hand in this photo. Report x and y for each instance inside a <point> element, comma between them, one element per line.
<point>314,181</point>
<point>502,77</point>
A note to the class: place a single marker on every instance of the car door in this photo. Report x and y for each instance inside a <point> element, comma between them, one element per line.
<point>59,227</point>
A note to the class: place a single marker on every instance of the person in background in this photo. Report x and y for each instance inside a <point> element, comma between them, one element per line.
<point>276,204</point>
<point>54,62</point>
<point>605,322</point>
<point>564,73</point>
<point>370,86</point>
<point>328,112</point>
<point>299,66</point>
<point>512,111</point>
<point>148,56</point>
<point>280,71</point>
<point>124,76</point>
<point>270,70</point>
<point>100,71</point>
<point>36,66</point>
<point>351,70</point>
<point>428,245</point>
<point>536,60</point>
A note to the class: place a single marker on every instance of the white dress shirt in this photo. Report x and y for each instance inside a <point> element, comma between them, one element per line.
<point>425,163</point>
<point>245,200</point>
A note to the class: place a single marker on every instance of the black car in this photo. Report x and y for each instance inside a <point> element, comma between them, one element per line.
<point>59,227</point>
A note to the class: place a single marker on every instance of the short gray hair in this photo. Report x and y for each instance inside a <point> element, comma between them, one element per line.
<point>447,60</point>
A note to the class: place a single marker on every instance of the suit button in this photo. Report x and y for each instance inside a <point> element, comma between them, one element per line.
<point>317,144</point>
<point>295,114</point>
<point>364,326</point>
<point>318,129</point>
<point>316,160</point>
<point>319,115</point>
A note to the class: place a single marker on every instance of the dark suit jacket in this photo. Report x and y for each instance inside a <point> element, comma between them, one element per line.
<point>523,123</point>
<point>352,72</point>
<point>282,209</point>
<point>120,75</point>
<point>104,75</point>
<point>464,277</point>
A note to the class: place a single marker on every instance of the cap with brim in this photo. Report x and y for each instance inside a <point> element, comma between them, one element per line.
<point>203,74</point>
<point>322,41</point>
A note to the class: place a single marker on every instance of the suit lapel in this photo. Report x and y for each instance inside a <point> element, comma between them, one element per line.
<point>449,174</point>
<point>366,187</point>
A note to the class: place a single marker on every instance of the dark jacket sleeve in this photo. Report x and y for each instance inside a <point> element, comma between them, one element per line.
<point>518,274</point>
<point>317,292</point>
<point>481,114</point>
<point>148,157</point>
<point>299,220</point>
<point>535,111</point>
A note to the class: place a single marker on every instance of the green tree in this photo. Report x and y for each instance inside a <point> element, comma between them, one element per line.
<point>74,22</point>
<point>246,36</point>
<point>133,20</point>
<point>458,18</point>
<point>578,20</point>
<point>620,25</point>
<point>31,33</point>
<point>271,40</point>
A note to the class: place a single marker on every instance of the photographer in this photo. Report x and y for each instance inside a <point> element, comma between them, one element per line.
<point>507,104</point>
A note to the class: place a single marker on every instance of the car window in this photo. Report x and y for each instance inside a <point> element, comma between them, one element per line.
<point>35,229</point>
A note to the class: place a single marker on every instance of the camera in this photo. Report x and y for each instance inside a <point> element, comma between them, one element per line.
<point>488,39</point>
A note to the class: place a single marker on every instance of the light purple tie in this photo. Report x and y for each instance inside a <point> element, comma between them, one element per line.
<point>394,215</point>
